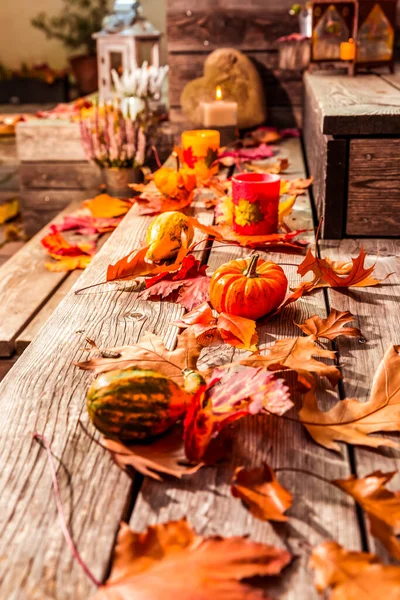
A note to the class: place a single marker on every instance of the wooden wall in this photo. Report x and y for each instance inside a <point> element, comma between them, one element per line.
<point>196,27</point>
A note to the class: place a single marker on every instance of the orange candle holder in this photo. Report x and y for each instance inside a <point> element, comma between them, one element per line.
<point>348,50</point>
<point>255,198</point>
<point>200,149</point>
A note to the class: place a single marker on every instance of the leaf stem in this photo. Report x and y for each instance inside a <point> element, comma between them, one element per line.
<point>64,527</point>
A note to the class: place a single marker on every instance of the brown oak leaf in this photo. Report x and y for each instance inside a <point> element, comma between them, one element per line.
<point>149,353</point>
<point>353,575</point>
<point>170,561</point>
<point>261,493</point>
<point>296,354</point>
<point>381,505</point>
<point>351,421</point>
<point>231,394</point>
<point>331,327</point>
<point>165,455</point>
<point>295,186</point>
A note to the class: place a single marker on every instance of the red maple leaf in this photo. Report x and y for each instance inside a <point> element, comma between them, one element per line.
<point>231,394</point>
<point>188,157</point>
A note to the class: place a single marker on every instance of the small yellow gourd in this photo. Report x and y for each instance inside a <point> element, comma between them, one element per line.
<point>167,234</point>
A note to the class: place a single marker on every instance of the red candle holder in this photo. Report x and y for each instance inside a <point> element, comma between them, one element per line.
<point>255,198</point>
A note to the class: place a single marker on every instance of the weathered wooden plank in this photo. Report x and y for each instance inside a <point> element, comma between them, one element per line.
<point>63,176</point>
<point>252,28</point>
<point>26,336</point>
<point>374,192</point>
<point>377,312</point>
<point>49,140</point>
<point>25,285</point>
<point>9,177</point>
<point>205,498</point>
<point>41,206</point>
<point>6,364</point>
<point>327,163</point>
<point>46,393</point>
<point>282,87</point>
<point>365,105</point>
<point>8,149</point>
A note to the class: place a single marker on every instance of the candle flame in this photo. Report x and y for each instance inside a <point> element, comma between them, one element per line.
<point>218,93</point>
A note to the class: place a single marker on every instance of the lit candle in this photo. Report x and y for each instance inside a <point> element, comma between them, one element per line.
<point>200,141</point>
<point>348,50</point>
<point>219,113</point>
<point>255,198</point>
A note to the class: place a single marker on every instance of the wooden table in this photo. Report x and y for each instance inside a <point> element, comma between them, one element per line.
<point>45,393</point>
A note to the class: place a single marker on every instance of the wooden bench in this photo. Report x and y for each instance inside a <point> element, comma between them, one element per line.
<point>352,139</point>
<point>43,392</point>
<point>29,293</point>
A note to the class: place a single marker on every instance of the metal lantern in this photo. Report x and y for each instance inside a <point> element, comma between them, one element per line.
<point>356,34</point>
<point>125,42</point>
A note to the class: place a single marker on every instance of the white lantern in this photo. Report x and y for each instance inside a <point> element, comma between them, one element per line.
<point>126,41</point>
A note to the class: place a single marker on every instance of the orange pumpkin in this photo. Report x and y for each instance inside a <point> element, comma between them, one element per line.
<point>249,288</point>
<point>175,183</point>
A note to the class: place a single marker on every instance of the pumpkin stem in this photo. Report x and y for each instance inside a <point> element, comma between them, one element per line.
<point>251,270</point>
<point>176,157</point>
<point>193,380</point>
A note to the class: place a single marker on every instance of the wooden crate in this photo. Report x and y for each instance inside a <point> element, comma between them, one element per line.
<point>352,139</point>
<point>197,27</point>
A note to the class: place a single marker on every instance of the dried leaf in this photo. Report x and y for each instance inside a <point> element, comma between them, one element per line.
<point>56,245</point>
<point>150,353</point>
<point>243,154</point>
<point>153,203</point>
<point>106,207</point>
<point>233,330</point>
<point>381,505</point>
<point>83,222</point>
<point>231,394</point>
<point>164,456</point>
<point>68,263</point>
<point>295,186</point>
<point>190,267</point>
<point>282,164</point>
<point>285,208</point>
<point>171,561</point>
<point>297,354</point>
<point>262,494</point>
<point>267,135</point>
<point>353,575</point>
<point>9,210</point>
<point>331,327</point>
<point>328,273</point>
<point>351,421</point>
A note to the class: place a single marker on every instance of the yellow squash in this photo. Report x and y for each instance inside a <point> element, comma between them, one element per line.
<point>167,235</point>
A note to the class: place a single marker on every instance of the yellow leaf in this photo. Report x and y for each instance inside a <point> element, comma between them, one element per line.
<point>68,263</point>
<point>285,208</point>
<point>105,206</point>
<point>9,210</point>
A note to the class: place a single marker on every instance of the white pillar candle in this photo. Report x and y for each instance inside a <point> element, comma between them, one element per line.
<point>219,113</point>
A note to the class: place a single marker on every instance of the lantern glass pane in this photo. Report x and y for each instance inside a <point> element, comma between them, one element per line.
<point>375,37</point>
<point>116,62</point>
<point>330,30</point>
<point>144,49</point>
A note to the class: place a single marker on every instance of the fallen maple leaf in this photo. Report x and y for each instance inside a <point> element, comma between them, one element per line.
<point>282,164</point>
<point>84,223</point>
<point>295,186</point>
<point>353,575</point>
<point>57,245</point>
<point>285,208</point>
<point>152,202</point>
<point>170,561</point>
<point>351,421</point>
<point>296,354</point>
<point>190,267</point>
<point>328,273</point>
<point>165,455</point>
<point>261,135</point>
<point>232,329</point>
<point>331,327</point>
<point>381,505</point>
<point>68,263</point>
<point>261,493</point>
<point>149,353</point>
<point>106,207</point>
<point>242,154</point>
<point>231,394</point>
<point>192,291</point>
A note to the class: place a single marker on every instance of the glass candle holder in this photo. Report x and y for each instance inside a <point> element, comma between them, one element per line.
<point>201,150</point>
<point>255,198</point>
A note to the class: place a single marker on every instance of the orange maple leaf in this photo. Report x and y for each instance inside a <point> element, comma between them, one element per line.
<point>170,560</point>
<point>106,207</point>
<point>331,327</point>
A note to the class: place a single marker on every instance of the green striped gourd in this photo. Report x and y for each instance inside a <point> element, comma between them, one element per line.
<point>135,404</point>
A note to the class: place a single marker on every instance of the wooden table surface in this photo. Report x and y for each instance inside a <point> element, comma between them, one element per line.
<point>45,393</point>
